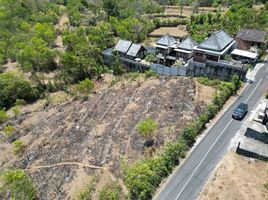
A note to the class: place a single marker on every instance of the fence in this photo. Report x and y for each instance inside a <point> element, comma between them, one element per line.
<point>218,70</point>
<point>169,71</point>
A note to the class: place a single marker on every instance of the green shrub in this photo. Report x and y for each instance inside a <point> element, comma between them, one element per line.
<point>266,186</point>
<point>133,75</point>
<point>9,130</point>
<point>3,116</point>
<point>142,180</point>
<point>150,73</point>
<point>112,191</point>
<point>209,82</point>
<point>150,58</point>
<point>15,110</point>
<point>18,146</point>
<point>146,127</point>
<point>118,68</point>
<point>85,86</point>
<point>17,184</point>
<point>20,102</point>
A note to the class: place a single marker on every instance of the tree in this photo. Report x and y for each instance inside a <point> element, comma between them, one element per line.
<point>13,86</point>
<point>111,7</point>
<point>46,32</point>
<point>35,55</point>
<point>76,68</point>
<point>236,80</point>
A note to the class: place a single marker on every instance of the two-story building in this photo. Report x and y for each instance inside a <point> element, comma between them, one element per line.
<point>184,50</point>
<point>164,48</point>
<point>214,48</point>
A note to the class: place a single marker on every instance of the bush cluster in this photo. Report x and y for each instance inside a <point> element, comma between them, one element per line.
<point>12,87</point>
<point>144,177</point>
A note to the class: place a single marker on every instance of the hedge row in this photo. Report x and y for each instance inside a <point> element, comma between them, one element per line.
<point>169,22</point>
<point>144,177</point>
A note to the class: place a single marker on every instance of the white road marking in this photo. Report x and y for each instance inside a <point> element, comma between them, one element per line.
<point>203,160</point>
<point>253,91</point>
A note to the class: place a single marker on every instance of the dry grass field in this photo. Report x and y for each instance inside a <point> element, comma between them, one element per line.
<point>71,141</point>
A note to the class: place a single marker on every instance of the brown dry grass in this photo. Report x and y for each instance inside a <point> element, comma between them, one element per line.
<point>188,11</point>
<point>204,93</point>
<point>179,31</point>
<point>89,137</point>
<point>237,178</point>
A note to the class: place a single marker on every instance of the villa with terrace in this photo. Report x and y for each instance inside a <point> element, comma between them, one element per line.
<point>185,56</point>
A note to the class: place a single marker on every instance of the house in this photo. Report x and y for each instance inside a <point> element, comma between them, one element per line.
<point>165,46</point>
<point>122,47</point>
<point>214,48</point>
<point>136,51</point>
<point>184,50</point>
<point>130,50</point>
<point>244,56</point>
<point>247,38</point>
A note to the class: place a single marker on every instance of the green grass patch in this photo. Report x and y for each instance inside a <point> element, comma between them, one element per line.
<point>9,130</point>
<point>3,116</point>
<point>18,146</point>
<point>17,184</point>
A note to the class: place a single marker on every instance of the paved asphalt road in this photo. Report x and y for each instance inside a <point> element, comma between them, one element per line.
<point>190,178</point>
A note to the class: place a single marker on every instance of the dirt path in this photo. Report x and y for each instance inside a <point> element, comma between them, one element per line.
<point>35,168</point>
<point>60,27</point>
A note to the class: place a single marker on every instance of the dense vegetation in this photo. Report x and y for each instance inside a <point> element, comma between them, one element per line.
<point>239,15</point>
<point>28,35</point>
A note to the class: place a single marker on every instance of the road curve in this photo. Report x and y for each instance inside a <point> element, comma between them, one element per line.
<point>190,178</point>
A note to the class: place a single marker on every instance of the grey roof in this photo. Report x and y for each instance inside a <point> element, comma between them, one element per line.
<point>217,41</point>
<point>166,40</point>
<point>122,46</point>
<point>252,35</point>
<point>134,49</point>
<point>187,44</point>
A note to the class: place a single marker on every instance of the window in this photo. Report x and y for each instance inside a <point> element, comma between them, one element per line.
<point>198,54</point>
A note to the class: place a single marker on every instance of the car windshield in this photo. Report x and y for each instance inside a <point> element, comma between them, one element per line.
<point>239,110</point>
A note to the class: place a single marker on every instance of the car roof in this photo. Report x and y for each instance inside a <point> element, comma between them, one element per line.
<point>242,105</point>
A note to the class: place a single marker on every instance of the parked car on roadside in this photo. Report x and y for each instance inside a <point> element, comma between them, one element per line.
<point>240,111</point>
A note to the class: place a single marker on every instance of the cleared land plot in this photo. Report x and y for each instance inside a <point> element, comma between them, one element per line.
<point>179,32</point>
<point>80,138</point>
<point>187,11</point>
<point>237,178</point>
